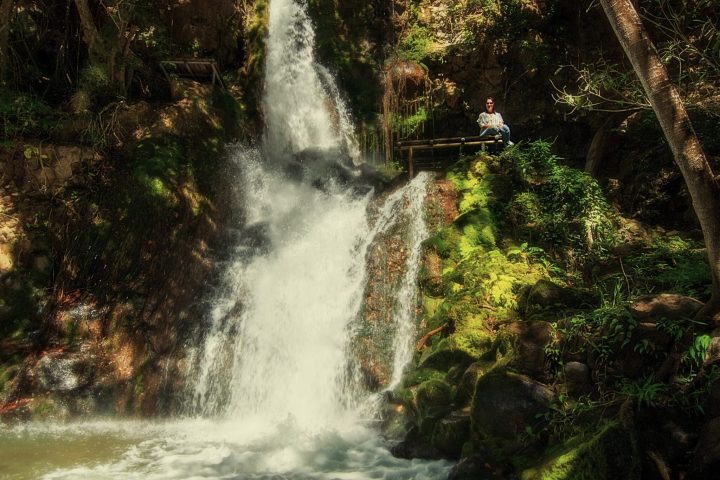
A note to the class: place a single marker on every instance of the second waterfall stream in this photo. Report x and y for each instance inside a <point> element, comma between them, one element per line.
<point>276,389</point>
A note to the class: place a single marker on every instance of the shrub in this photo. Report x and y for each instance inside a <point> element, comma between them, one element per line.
<point>22,114</point>
<point>562,207</point>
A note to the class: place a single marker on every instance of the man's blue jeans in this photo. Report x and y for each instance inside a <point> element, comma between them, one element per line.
<point>504,131</point>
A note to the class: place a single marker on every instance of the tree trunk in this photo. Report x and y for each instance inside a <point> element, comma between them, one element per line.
<point>5,19</point>
<point>602,136</point>
<point>90,31</point>
<point>688,153</point>
<point>111,51</point>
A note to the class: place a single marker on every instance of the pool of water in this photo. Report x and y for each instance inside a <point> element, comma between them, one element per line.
<point>194,449</point>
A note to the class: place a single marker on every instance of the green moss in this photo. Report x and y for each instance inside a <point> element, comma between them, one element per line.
<point>431,305</point>
<point>434,399</point>
<point>470,376</point>
<point>7,374</point>
<point>416,45</point>
<point>420,375</point>
<point>44,408</point>
<point>446,243</point>
<point>157,165</point>
<point>461,348</point>
<point>609,454</point>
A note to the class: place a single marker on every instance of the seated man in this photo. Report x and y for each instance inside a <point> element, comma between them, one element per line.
<point>491,122</point>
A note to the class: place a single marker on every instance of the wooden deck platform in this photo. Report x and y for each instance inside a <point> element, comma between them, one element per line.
<point>439,153</point>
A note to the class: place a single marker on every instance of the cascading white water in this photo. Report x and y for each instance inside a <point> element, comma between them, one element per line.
<point>288,338</point>
<point>407,296</point>
<point>276,391</point>
<point>300,300</point>
<point>303,108</point>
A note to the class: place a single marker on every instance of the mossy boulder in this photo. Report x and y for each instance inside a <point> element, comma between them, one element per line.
<point>451,433</point>
<point>420,375</point>
<point>608,454</point>
<point>665,305</point>
<point>466,387</point>
<point>545,293</point>
<point>505,407</point>
<point>460,348</point>
<point>433,399</point>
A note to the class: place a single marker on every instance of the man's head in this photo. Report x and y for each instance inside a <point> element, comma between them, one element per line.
<point>490,105</point>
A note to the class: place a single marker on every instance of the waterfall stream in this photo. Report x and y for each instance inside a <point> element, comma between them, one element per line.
<point>275,390</point>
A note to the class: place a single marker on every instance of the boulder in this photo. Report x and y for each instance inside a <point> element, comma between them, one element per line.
<point>415,447</point>
<point>451,433</point>
<point>706,456</point>
<point>466,387</point>
<point>473,467</point>
<point>434,399</point>
<point>545,293</point>
<point>577,378</point>
<point>665,305</point>
<point>505,406</point>
<point>609,454</point>
<point>460,348</point>
<point>533,338</point>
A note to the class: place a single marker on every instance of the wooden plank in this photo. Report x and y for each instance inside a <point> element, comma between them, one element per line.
<point>410,164</point>
<point>439,153</point>
<point>448,145</point>
<point>202,70</point>
<point>439,141</point>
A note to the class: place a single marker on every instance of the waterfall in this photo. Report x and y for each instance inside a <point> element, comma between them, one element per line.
<point>281,323</point>
<point>300,303</point>
<point>276,391</point>
<point>302,105</point>
<point>407,296</point>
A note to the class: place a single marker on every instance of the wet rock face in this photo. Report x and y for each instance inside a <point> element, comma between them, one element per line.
<point>61,372</point>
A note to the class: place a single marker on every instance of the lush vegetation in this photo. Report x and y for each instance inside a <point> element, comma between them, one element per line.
<point>536,275</point>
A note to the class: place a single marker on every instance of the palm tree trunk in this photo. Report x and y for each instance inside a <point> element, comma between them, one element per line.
<point>701,182</point>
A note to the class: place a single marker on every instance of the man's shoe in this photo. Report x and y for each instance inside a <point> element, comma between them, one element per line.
<point>510,143</point>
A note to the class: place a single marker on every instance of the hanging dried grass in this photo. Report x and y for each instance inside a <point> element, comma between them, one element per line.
<point>406,93</point>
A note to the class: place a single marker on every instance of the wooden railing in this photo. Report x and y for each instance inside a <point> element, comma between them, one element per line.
<point>199,69</point>
<point>435,154</point>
